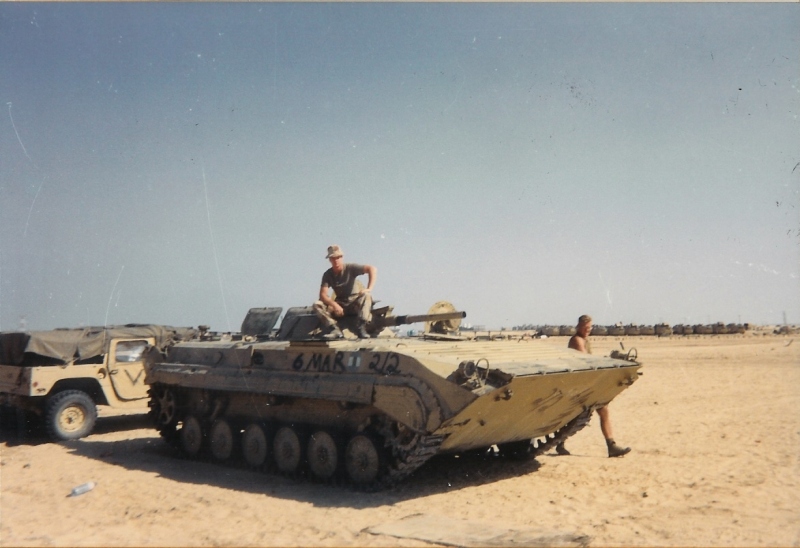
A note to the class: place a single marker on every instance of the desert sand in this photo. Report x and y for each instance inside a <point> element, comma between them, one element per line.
<point>713,423</point>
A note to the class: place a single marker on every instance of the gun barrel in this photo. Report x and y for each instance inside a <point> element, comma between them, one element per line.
<point>403,320</point>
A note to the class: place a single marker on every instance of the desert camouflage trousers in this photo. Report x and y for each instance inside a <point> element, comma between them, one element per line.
<point>357,305</point>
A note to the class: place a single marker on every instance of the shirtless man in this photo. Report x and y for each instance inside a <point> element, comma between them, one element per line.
<point>351,297</point>
<point>580,342</point>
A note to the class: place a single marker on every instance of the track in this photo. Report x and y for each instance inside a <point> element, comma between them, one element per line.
<point>427,447</point>
<point>539,446</point>
<point>401,453</point>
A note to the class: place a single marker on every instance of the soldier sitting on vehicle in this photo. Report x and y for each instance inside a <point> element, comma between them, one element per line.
<point>349,297</point>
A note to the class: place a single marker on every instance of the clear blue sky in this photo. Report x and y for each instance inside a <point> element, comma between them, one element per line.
<point>180,163</point>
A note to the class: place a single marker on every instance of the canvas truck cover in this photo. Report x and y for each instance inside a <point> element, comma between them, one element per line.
<point>67,345</point>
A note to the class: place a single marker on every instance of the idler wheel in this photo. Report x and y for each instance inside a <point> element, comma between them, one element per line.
<point>191,436</point>
<point>287,448</point>
<point>323,455</point>
<point>221,440</point>
<point>254,445</point>
<point>362,459</point>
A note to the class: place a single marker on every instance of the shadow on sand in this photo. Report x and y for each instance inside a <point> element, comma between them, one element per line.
<point>25,428</point>
<point>444,473</point>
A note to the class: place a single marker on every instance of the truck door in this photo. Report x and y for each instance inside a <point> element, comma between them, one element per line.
<point>126,368</point>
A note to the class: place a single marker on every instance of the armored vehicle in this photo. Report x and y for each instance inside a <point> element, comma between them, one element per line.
<point>719,328</point>
<point>736,328</point>
<point>663,330</point>
<point>632,329</point>
<point>647,330</point>
<point>567,330</point>
<point>63,374</point>
<point>616,329</point>
<point>371,411</point>
<point>682,329</point>
<point>551,330</point>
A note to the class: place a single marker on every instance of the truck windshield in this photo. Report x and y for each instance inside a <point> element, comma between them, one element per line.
<point>130,351</point>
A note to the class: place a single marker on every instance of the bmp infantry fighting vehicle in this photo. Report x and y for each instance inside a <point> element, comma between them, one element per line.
<point>373,410</point>
<point>63,374</point>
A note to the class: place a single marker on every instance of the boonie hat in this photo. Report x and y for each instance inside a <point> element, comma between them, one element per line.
<point>334,251</point>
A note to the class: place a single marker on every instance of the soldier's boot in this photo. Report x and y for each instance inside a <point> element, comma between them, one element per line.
<point>615,450</point>
<point>561,450</point>
<point>332,332</point>
<point>361,330</point>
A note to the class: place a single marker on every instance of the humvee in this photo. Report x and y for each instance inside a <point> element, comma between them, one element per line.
<point>61,375</point>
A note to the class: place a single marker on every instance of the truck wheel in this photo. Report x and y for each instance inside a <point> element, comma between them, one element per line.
<point>70,415</point>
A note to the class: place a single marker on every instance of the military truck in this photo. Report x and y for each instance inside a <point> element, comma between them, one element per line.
<point>371,411</point>
<point>61,375</point>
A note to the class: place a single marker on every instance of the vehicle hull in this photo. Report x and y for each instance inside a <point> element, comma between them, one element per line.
<point>414,397</point>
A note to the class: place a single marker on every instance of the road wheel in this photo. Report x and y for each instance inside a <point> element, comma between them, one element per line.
<point>362,460</point>
<point>323,455</point>
<point>191,435</point>
<point>70,415</point>
<point>287,450</point>
<point>221,440</point>
<point>254,445</point>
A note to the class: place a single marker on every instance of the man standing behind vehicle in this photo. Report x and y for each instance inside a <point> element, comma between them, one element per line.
<point>580,342</point>
<point>349,298</point>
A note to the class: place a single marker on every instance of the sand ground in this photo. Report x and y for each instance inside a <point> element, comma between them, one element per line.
<point>713,422</point>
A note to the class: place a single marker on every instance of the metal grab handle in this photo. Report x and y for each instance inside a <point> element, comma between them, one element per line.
<point>487,367</point>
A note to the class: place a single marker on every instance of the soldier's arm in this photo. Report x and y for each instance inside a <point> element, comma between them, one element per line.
<point>372,272</point>
<point>324,296</point>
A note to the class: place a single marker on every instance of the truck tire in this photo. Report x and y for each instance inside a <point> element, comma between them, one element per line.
<point>70,415</point>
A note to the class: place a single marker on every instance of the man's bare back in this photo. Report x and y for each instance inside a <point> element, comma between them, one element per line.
<point>580,342</point>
